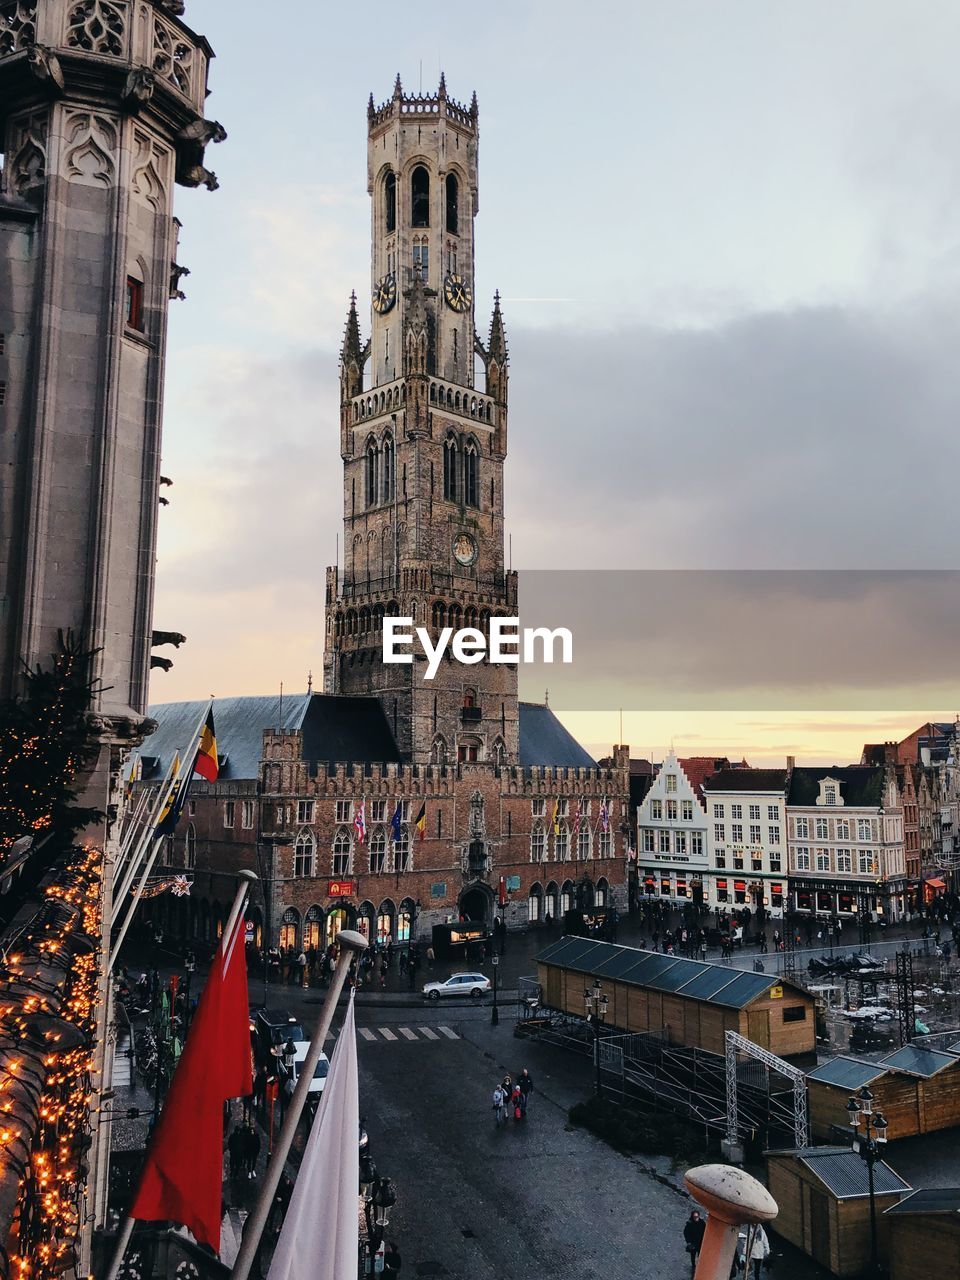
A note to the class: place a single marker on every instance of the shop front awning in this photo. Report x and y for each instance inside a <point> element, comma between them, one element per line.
<point>934,882</point>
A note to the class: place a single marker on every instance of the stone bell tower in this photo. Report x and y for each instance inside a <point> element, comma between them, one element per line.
<point>101,115</point>
<point>423,442</point>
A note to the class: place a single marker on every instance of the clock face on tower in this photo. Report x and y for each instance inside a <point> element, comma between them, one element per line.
<point>464,549</point>
<point>457,292</point>
<point>384,293</point>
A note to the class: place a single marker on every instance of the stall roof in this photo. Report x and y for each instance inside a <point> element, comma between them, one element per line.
<point>846,1073</point>
<point>734,988</point>
<point>929,1200</point>
<point>917,1062</point>
<point>844,1174</point>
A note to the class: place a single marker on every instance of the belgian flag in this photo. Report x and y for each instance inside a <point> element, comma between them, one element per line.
<point>206,763</point>
<point>421,822</point>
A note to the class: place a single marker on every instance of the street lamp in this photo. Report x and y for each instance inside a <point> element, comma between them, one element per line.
<point>379,1198</point>
<point>495,1012</point>
<point>867,1146</point>
<point>596,1006</point>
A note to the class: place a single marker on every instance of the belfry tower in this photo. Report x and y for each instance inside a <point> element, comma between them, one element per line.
<point>423,445</point>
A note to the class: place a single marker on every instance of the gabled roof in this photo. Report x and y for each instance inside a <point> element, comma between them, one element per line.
<point>929,1200</point>
<point>747,780</point>
<point>844,1173</point>
<point>239,724</point>
<point>916,1061</point>
<point>715,983</point>
<point>699,768</point>
<point>860,785</point>
<point>544,740</point>
<point>846,1073</point>
<point>335,729</point>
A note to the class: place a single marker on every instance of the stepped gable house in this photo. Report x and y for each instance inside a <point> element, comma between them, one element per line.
<point>513,807</point>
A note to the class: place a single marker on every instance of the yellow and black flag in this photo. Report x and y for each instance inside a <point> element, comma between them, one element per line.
<point>556,818</point>
<point>206,763</point>
<point>421,822</point>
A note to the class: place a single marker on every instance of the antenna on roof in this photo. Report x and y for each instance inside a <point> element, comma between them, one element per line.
<point>309,682</point>
<point>280,730</point>
<point>546,697</point>
<point>620,739</point>
<point>421,75</point>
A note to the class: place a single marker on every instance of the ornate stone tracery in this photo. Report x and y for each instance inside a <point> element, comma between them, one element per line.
<point>18,25</point>
<point>28,152</point>
<point>172,57</point>
<point>97,26</point>
<point>91,147</point>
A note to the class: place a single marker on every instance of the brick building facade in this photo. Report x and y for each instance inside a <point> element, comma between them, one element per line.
<point>519,821</point>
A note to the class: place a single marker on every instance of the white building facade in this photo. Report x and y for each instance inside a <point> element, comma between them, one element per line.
<point>672,838</point>
<point>747,840</point>
<point>845,842</point>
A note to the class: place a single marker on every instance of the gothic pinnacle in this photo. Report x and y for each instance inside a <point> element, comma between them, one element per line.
<point>397,87</point>
<point>442,92</point>
<point>371,108</point>
<point>474,109</point>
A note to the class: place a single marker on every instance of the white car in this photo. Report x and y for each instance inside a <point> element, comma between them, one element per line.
<point>458,984</point>
<point>319,1081</point>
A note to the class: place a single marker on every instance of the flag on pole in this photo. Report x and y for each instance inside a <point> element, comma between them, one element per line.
<point>396,830</point>
<point>207,762</point>
<point>134,774</point>
<point>421,823</point>
<point>360,822</point>
<point>183,1172</point>
<point>320,1235</point>
<point>556,818</point>
<point>577,819</point>
<point>173,805</point>
<point>604,822</point>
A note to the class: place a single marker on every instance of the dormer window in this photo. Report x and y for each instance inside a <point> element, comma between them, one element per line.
<point>829,792</point>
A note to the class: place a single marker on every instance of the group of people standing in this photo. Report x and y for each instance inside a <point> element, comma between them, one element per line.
<point>753,1247</point>
<point>512,1097</point>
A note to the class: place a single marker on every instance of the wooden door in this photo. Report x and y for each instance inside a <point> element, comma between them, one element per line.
<point>820,1228</point>
<point>758,1027</point>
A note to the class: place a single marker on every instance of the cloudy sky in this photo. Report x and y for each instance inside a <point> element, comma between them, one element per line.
<point>728,245</point>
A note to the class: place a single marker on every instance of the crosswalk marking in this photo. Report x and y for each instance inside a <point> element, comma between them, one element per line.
<point>404,1035</point>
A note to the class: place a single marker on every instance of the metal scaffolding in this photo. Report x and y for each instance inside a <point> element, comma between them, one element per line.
<point>737,1044</point>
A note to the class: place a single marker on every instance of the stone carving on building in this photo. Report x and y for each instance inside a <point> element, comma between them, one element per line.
<point>18,26</point>
<point>191,142</point>
<point>91,145</point>
<point>45,66</point>
<point>176,275</point>
<point>139,88</point>
<point>148,185</point>
<point>97,27</point>
<point>28,164</point>
<point>172,56</point>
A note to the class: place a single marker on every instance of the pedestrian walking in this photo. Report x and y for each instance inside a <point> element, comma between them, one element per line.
<point>525,1083</point>
<point>235,1150</point>
<point>392,1261</point>
<point>693,1230</point>
<point>499,1105</point>
<point>430,957</point>
<point>516,1102</point>
<point>759,1251</point>
<point>251,1150</point>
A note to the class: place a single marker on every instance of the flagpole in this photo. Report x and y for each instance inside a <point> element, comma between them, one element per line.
<point>349,941</point>
<point>126,1229</point>
<point>135,844</point>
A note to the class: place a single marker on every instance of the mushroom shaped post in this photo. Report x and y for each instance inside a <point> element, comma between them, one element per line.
<point>732,1199</point>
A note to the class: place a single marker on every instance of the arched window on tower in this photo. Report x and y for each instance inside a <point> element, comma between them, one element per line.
<point>390,201</point>
<point>370,474</point>
<point>421,258</point>
<point>453,201</point>
<point>389,469</point>
<point>450,463</point>
<point>190,847</point>
<point>420,197</point>
<point>471,474</point>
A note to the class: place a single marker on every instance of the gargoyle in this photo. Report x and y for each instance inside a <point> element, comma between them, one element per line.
<point>163,663</point>
<point>45,65</point>
<point>195,175</point>
<point>139,88</point>
<point>176,7</point>
<point>176,274</point>
<point>202,131</point>
<point>167,637</point>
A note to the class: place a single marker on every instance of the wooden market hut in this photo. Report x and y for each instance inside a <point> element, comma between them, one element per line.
<point>924,1234</point>
<point>685,1002</point>
<point>917,1089</point>
<point>824,1201</point>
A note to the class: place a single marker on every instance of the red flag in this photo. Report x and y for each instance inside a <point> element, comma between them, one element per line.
<point>183,1173</point>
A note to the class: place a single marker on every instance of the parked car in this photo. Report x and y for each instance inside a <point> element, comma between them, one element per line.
<point>292,1074</point>
<point>458,984</point>
<point>274,1027</point>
